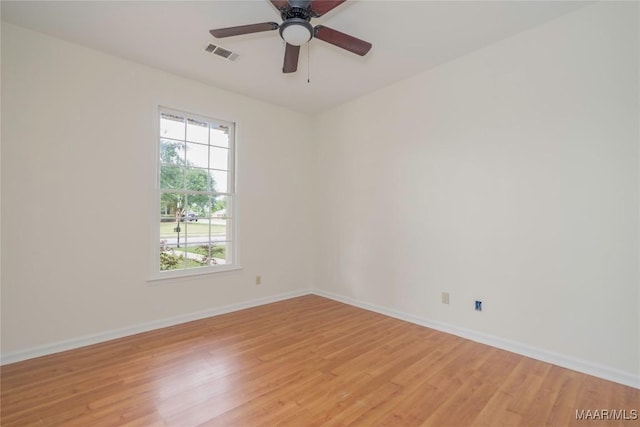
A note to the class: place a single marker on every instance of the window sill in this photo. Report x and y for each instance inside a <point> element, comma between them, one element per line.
<point>182,274</point>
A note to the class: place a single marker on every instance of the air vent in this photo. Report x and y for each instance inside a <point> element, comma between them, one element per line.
<point>221,52</point>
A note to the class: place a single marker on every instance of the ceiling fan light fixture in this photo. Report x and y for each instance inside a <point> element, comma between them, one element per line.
<point>296,31</point>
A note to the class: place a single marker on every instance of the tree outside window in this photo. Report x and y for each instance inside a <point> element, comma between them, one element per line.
<point>196,192</point>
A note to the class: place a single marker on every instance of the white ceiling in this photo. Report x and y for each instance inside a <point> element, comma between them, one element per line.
<point>408,37</point>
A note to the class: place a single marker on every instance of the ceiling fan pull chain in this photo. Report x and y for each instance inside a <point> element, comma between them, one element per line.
<point>308,64</point>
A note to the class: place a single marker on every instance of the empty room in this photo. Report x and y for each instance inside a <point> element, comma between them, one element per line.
<point>320,213</point>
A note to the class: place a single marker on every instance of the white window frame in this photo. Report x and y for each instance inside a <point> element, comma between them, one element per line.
<point>232,200</point>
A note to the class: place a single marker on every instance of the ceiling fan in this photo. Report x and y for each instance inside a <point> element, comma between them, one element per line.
<point>296,30</point>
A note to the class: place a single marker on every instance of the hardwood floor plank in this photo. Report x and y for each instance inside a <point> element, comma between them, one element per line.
<point>505,405</point>
<point>306,361</point>
<point>463,407</point>
<point>448,378</point>
<point>364,403</point>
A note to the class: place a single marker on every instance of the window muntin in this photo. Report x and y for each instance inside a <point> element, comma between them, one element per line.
<point>196,194</point>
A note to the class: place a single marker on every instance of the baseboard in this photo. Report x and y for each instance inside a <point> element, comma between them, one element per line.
<point>564,361</point>
<point>561,360</point>
<point>86,340</point>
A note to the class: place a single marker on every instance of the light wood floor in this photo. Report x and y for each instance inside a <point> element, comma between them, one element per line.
<point>303,362</point>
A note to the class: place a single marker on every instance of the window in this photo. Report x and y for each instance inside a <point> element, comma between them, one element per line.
<point>196,188</point>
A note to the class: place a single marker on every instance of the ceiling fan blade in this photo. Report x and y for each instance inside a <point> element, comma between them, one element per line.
<point>345,41</point>
<point>280,4</point>
<point>320,7</point>
<point>244,29</point>
<point>291,54</point>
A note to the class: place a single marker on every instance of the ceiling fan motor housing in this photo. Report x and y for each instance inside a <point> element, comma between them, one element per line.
<point>299,4</point>
<point>296,12</point>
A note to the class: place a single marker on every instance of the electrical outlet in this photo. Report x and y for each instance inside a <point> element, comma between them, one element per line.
<point>445,297</point>
<point>258,280</point>
<point>478,305</point>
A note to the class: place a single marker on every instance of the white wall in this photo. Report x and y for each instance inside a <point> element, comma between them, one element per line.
<point>78,163</point>
<point>509,175</point>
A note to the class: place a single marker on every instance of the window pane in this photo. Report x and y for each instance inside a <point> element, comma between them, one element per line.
<point>196,209</point>
<point>197,155</point>
<point>197,131</point>
<point>207,254</point>
<point>196,235</point>
<point>186,258</point>
<point>218,254</point>
<point>221,252</point>
<point>219,181</point>
<point>171,152</point>
<point>167,233</point>
<point>196,255</point>
<point>171,126</point>
<point>219,158</point>
<point>220,229</point>
<point>171,177</point>
<point>171,257</point>
<point>197,180</point>
<point>219,135</point>
<point>171,205</point>
<point>195,230</point>
<point>219,207</point>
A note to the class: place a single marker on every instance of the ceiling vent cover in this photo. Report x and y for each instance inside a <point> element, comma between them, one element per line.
<point>221,52</point>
